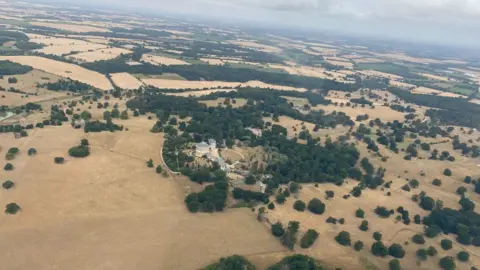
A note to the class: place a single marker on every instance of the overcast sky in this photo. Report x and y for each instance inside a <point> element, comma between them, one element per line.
<point>439,21</point>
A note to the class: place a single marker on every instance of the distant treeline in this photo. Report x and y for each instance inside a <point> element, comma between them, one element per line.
<point>453,111</point>
<point>221,73</point>
<point>11,68</point>
<point>66,85</point>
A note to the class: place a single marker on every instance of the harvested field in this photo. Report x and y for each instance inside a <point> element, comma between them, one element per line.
<point>212,61</point>
<point>28,82</point>
<point>99,55</point>
<point>404,57</point>
<point>71,27</point>
<point>239,102</point>
<point>112,214</point>
<point>162,60</point>
<point>368,60</point>
<point>257,46</point>
<point>402,84</point>
<point>435,77</point>
<point>62,69</point>
<point>68,49</point>
<point>380,74</point>
<point>324,51</point>
<point>313,72</point>
<point>199,93</point>
<point>177,84</point>
<point>126,81</point>
<point>430,91</point>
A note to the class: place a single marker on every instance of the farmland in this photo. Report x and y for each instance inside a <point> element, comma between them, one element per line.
<point>149,142</point>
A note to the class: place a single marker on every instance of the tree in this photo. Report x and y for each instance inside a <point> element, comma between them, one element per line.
<point>358,245</point>
<point>8,167</point>
<point>124,115</point>
<point>150,163</point>
<point>377,236</point>
<point>280,198</point>
<point>360,213</point>
<point>432,231</point>
<point>297,262</point>
<point>396,251</point>
<point>379,249</point>
<point>294,187</point>
<point>437,182</point>
<point>432,251</point>
<point>343,238</point>
<point>461,191</point>
<point>271,206</point>
<point>329,194</point>
<point>8,184</point>
<point>447,172</point>
<point>277,229</point>
<point>59,160</point>
<point>12,208</point>
<point>467,204</point>
<point>234,262</point>
<point>299,206</point>
<point>364,226</point>
<point>79,151</point>
<point>427,203</point>
<point>159,169</point>
<point>417,219</point>
<point>32,151</point>
<point>414,183</point>
<point>316,206</point>
<point>418,239</point>
<point>422,254</point>
<point>250,180</point>
<point>394,264</point>
<point>463,256</point>
<point>446,244</point>
<point>447,263</point>
<point>382,212</point>
<point>308,238</point>
<point>84,142</point>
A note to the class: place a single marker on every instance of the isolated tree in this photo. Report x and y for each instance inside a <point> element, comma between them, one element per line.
<point>396,251</point>
<point>379,249</point>
<point>377,236</point>
<point>316,206</point>
<point>432,251</point>
<point>447,263</point>
<point>280,198</point>
<point>277,229</point>
<point>463,256</point>
<point>422,254</point>
<point>84,142</point>
<point>418,239</point>
<point>59,160</point>
<point>461,190</point>
<point>360,213</point>
<point>124,115</point>
<point>394,265</point>
<point>159,169</point>
<point>358,245</point>
<point>150,163</point>
<point>309,238</point>
<point>12,208</point>
<point>32,151</point>
<point>343,238</point>
<point>8,184</point>
<point>299,205</point>
<point>447,172</point>
<point>446,244</point>
<point>271,206</point>
<point>8,167</point>
<point>364,226</point>
<point>437,182</point>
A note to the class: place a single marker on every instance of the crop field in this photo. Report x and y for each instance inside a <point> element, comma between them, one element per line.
<point>256,46</point>
<point>430,91</point>
<point>162,60</point>
<point>435,77</point>
<point>99,54</point>
<point>63,69</point>
<point>126,81</point>
<point>71,27</point>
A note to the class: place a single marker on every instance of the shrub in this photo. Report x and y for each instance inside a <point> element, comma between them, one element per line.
<point>299,205</point>
<point>12,208</point>
<point>364,226</point>
<point>418,239</point>
<point>422,254</point>
<point>79,151</point>
<point>316,206</point>
<point>377,236</point>
<point>32,151</point>
<point>394,265</point>
<point>159,169</point>
<point>382,212</point>
<point>13,150</point>
<point>8,184</point>
<point>59,160</point>
<point>447,263</point>
<point>447,172</point>
<point>463,256</point>
<point>308,238</point>
<point>461,191</point>
<point>467,180</point>
<point>277,229</point>
<point>343,238</point>
<point>150,163</point>
<point>379,249</point>
<point>358,245</point>
<point>360,213</point>
<point>8,167</point>
<point>271,206</point>
<point>9,156</point>
<point>446,244</point>
<point>437,182</point>
<point>414,183</point>
<point>396,251</point>
<point>406,187</point>
<point>417,219</point>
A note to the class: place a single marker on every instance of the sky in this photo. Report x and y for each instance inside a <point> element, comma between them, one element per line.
<point>433,21</point>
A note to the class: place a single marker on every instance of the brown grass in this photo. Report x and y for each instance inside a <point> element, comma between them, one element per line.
<point>99,55</point>
<point>62,69</point>
<point>162,60</point>
<point>126,80</point>
<point>214,103</point>
<point>71,27</point>
<point>435,77</point>
<point>257,46</point>
<point>430,91</point>
<point>199,93</point>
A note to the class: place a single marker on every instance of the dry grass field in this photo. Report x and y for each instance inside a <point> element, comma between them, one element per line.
<point>111,209</point>
<point>257,46</point>
<point>212,61</point>
<point>99,55</point>
<point>239,102</point>
<point>63,69</point>
<point>126,80</point>
<point>402,84</point>
<point>178,84</point>
<point>162,60</point>
<point>430,91</point>
<point>436,77</point>
<point>71,27</point>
